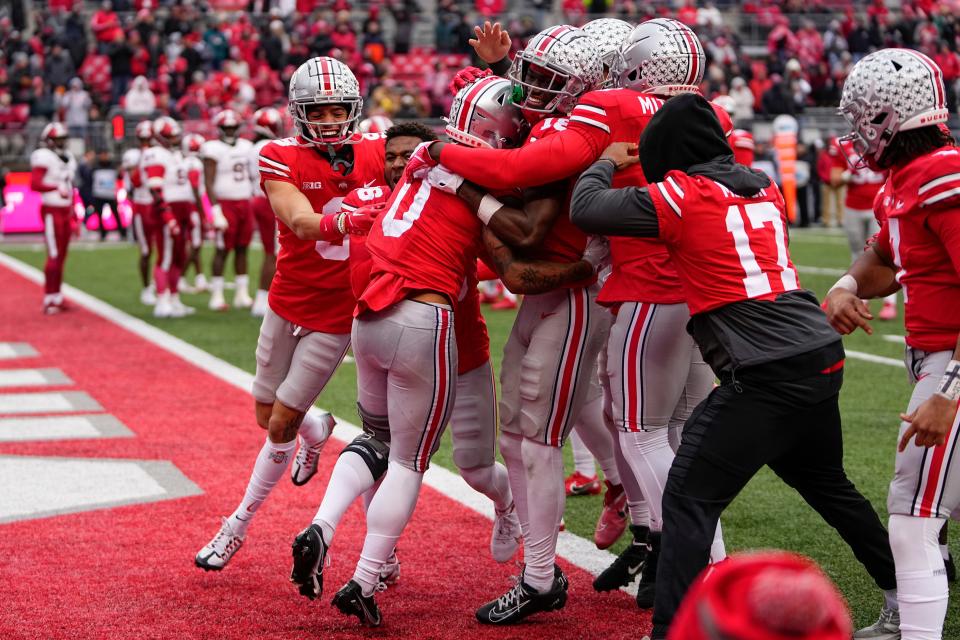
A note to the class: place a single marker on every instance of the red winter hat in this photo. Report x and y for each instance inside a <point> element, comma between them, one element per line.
<point>770,595</point>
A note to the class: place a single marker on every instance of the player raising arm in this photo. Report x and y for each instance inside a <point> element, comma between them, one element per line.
<point>779,362</point>
<point>894,102</point>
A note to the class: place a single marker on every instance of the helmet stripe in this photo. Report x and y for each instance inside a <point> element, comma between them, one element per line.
<point>324,73</point>
<point>936,76</point>
<point>470,101</point>
<point>550,39</point>
<point>694,68</point>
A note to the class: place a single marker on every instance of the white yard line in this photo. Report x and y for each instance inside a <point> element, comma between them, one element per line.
<point>577,550</point>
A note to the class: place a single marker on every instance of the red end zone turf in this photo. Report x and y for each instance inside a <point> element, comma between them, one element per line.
<point>127,572</point>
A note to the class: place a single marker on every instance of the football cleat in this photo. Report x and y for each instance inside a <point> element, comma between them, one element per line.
<point>51,308</point>
<point>887,627</point>
<point>506,534</point>
<point>888,311</point>
<point>217,302</point>
<point>309,559</point>
<point>578,484</point>
<point>646,589</point>
<point>148,296</point>
<point>351,601</point>
<point>163,308</point>
<point>628,564</point>
<point>242,299</point>
<point>613,518</point>
<point>200,283</point>
<point>523,600</point>
<point>178,309</point>
<point>305,463</point>
<point>218,551</point>
<point>504,304</point>
<point>183,285</point>
<point>390,570</point>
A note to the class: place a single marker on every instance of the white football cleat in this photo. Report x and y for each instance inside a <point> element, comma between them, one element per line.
<point>163,308</point>
<point>200,283</point>
<point>179,309</point>
<point>259,308</point>
<point>390,570</point>
<point>148,296</point>
<point>217,553</point>
<point>304,465</point>
<point>217,302</point>
<point>184,286</point>
<point>242,299</point>
<point>887,627</point>
<point>506,534</point>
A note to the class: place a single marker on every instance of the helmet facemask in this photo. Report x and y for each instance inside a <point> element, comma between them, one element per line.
<point>543,87</point>
<point>868,139</point>
<point>482,115</point>
<point>339,131</point>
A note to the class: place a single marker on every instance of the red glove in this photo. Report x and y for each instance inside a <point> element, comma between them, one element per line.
<point>359,222</point>
<point>419,163</point>
<point>467,76</point>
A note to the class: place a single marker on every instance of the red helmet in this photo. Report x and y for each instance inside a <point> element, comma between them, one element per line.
<point>167,131</point>
<point>770,595</point>
<point>268,122</point>
<point>191,143</point>
<point>54,133</point>
<point>144,130</point>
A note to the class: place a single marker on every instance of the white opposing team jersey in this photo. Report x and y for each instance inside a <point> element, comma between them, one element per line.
<point>232,181</point>
<point>59,174</point>
<point>171,169</point>
<point>130,162</point>
<point>255,167</point>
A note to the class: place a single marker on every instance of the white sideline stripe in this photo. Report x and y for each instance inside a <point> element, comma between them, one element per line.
<point>13,350</point>
<point>820,271</point>
<point>49,402</point>
<point>32,377</point>
<point>869,357</point>
<point>578,551</point>
<point>895,339</point>
<point>62,428</point>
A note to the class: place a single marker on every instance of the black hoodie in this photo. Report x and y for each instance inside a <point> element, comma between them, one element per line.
<point>786,335</point>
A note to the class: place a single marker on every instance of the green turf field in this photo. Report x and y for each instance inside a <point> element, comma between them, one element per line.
<point>767,514</point>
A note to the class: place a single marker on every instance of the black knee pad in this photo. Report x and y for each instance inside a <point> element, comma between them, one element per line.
<point>377,426</point>
<point>375,453</point>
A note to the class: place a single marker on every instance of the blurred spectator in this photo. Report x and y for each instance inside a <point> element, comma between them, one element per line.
<point>799,87</point>
<point>777,99</point>
<point>437,87</point>
<point>742,99</point>
<point>216,43</point>
<point>105,26</point>
<point>276,44</point>
<point>139,100</point>
<point>809,44</point>
<point>95,73</point>
<point>120,54</point>
<point>404,14</point>
<point>75,106</point>
<point>58,67</point>
<point>687,14</point>
<point>709,16</point>
<point>344,38</point>
<point>21,78</point>
<point>491,9</point>
<point>75,37</point>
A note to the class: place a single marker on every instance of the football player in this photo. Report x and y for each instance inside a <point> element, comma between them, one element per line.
<point>52,169</point>
<point>226,174</point>
<point>267,126</point>
<point>894,101</point>
<point>551,354</point>
<point>190,147</point>
<point>779,362</point>
<point>306,330</point>
<point>172,186</point>
<point>144,226</point>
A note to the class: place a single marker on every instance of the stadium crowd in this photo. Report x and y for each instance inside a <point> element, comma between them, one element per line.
<point>77,60</point>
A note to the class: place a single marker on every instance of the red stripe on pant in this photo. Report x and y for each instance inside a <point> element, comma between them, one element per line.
<point>441,387</point>
<point>928,508</point>
<point>569,366</point>
<point>632,416</point>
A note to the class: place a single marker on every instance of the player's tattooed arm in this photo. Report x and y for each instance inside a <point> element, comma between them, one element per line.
<point>522,227</point>
<point>600,210</point>
<point>521,275</point>
<point>293,209</point>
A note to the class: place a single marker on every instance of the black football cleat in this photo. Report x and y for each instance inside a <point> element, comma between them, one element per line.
<point>309,555</point>
<point>351,601</point>
<point>648,574</point>
<point>522,601</point>
<point>627,565</point>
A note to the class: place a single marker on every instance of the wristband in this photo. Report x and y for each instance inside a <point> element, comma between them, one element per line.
<point>949,385</point>
<point>847,282</point>
<point>341,226</point>
<point>488,206</point>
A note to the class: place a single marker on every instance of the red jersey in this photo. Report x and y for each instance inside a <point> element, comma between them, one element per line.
<point>641,267</point>
<point>360,261</point>
<point>741,142</point>
<point>921,235</point>
<point>727,248</point>
<point>312,283</point>
<point>426,240</point>
<point>864,183</point>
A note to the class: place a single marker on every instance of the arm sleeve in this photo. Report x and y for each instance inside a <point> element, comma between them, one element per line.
<point>549,159</point>
<point>946,225</point>
<point>194,175</point>
<point>36,180</point>
<point>154,173</point>
<point>598,209</point>
<point>501,67</point>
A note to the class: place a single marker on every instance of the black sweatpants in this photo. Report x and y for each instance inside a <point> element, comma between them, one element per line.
<point>793,426</point>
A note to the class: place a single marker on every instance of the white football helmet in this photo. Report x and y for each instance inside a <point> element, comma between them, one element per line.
<point>609,34</point>
<point>191,143</point>
<point>482,115</point>
<point>324,80</point>
<point>144,130</point>
<point>557,66</point>
<point>661,56</point>
<point>54,135</point>
<point>889,91</point>
<point>375,124</point>
<point>167,131</point>
<point>228,122</point>
<point>268,122</point>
